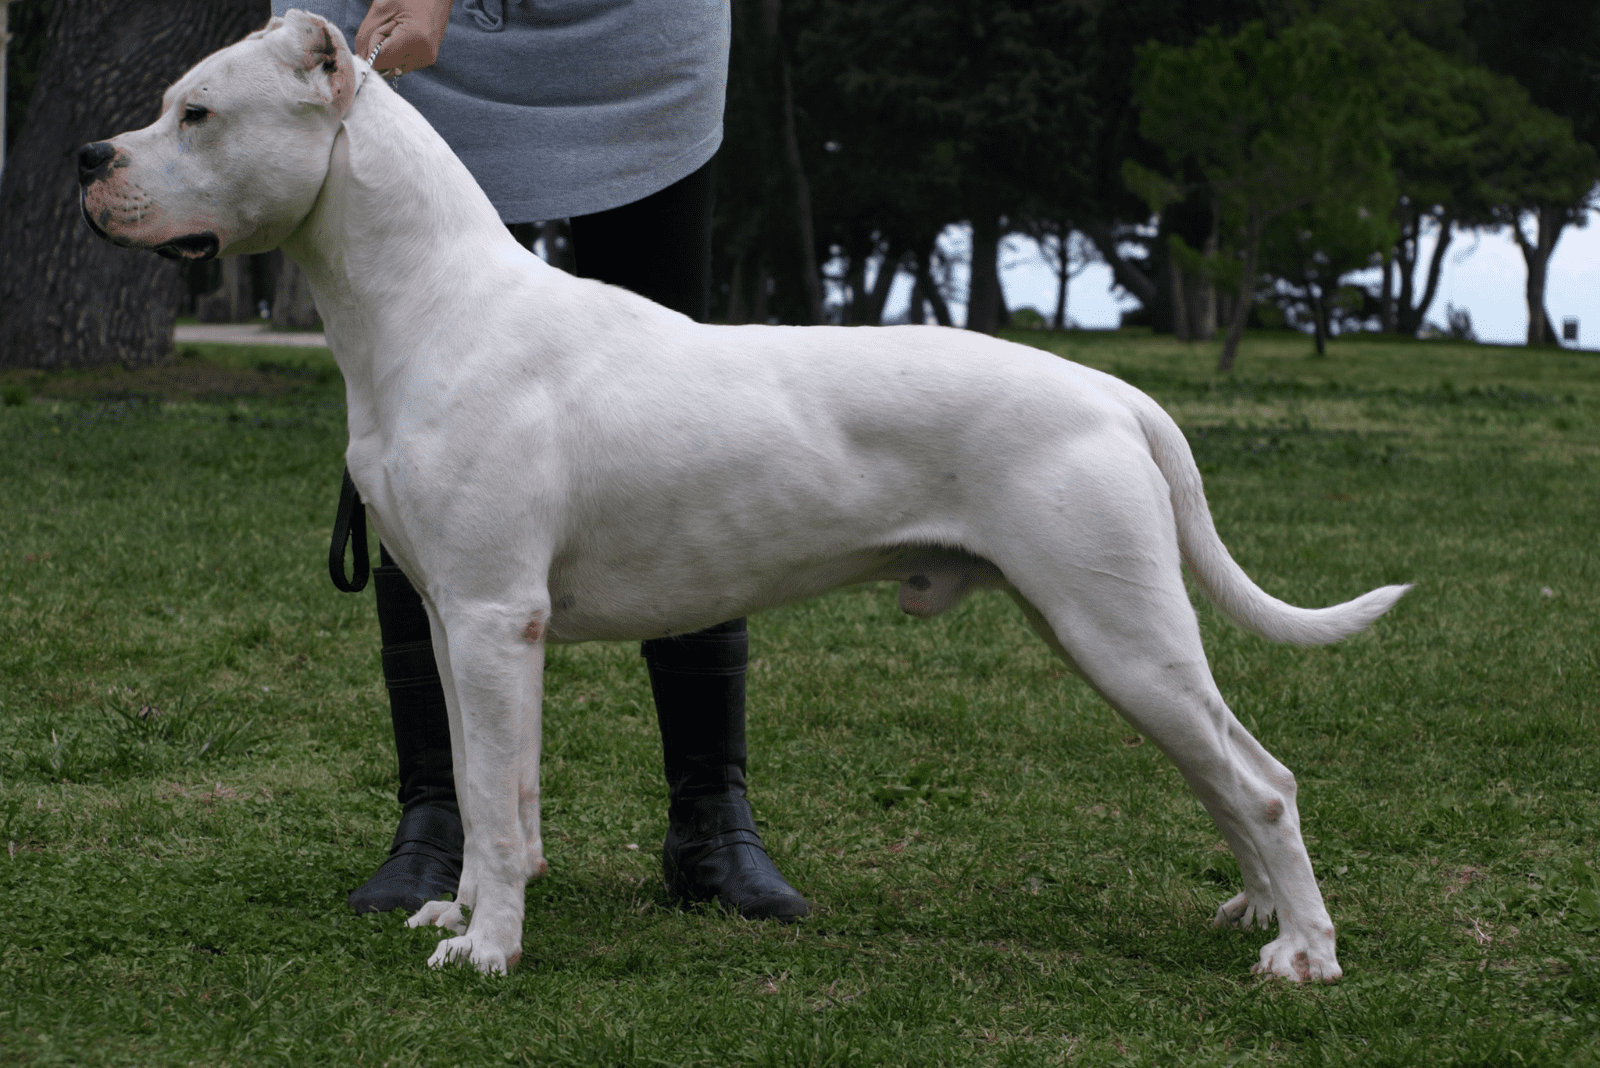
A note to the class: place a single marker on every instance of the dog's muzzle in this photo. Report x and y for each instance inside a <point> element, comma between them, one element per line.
<point>94,163</point>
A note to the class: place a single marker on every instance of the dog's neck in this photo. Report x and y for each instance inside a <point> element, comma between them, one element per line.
<point>403,251</point>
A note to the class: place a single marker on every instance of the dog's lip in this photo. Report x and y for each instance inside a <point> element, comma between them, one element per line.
<point>194,247</point>
<point>96,227</point>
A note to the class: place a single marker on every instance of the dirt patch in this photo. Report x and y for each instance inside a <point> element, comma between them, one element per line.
<point>1458,879</point>
<point>182,379</point>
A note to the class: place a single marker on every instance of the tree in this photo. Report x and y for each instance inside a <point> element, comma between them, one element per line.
<point>1309,250</point>
<point>765,236</point>
<point>962,109</point>
<point>67,298</point>
<point>1436,113</point>
<point>1105,209</point>
<point>1547,183</point>
<point>1548,171</point>
<point>26,24</point>
<point>1470,150</point>
<point>1066,252</point>
<point>1268,125</point>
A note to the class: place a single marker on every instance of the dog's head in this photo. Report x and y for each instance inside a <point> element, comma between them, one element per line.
<point>239,153</point>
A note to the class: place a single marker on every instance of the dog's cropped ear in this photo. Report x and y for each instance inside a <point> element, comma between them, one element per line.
<point>315,50</point>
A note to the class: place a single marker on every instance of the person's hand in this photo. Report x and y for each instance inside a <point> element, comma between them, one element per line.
<point>410,31</point>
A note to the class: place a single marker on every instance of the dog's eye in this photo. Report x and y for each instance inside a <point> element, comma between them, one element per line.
<point>195,113</point>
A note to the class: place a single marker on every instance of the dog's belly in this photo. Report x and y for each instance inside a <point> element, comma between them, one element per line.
<point>595,603</point>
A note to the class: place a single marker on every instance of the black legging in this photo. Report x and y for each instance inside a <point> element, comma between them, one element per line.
<point>658,247</point>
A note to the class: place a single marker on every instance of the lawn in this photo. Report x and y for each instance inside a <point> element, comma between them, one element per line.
<point>195,766</point>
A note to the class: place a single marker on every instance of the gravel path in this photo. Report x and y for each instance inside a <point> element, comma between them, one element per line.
<point>248,334</point>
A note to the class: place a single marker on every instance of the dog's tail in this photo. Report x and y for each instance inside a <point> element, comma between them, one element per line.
<point>1224,582</point>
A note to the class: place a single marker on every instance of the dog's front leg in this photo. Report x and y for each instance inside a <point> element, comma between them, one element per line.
<point>492,664</point>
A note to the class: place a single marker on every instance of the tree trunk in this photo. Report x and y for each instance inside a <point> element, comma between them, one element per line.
<point>1194,300</point>
<point>1128,276</point>
<point>1405,256</point>
<point>1180,304</point>
<point>1225,303</point>
<point>794,166</point>
<point>928,289</point>
<point>1319,315</point>
<point>1536,254</point>
<point>759,284</point>
<point>983,293</point>
<point>5,40</point>
<point>738,297</point>
<point>1411,314</point>
<point>855,289</point>
<point>67,298</point>
<point>1447,228</point>
<point>246,283</point>
<point>888,269</point>
<point>292,305</point>
<point>1203,302</point>
<point>1386,320</point>
<point>231,301</point>
<point>1063,275</point>
<point>1202,307</point>
<point>1242,303</point>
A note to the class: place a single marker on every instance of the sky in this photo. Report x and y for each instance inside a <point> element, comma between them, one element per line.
<point>1483,273</point>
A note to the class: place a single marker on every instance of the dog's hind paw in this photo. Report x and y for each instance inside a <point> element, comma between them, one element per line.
<point>1294,959</point>
<point>445,914</point>
<point>488,960</point>
<point>1242,912</point>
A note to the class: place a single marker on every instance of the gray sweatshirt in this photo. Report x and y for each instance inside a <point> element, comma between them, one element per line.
<point>568,107</point>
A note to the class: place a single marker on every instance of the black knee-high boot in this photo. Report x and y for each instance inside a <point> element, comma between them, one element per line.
<point>425,860</point>
<point>712,849</point>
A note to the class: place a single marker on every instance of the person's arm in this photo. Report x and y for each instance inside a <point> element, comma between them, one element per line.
<point>410,31</point>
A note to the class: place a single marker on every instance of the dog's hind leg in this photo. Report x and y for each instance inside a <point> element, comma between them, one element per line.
<point>492,663</point>
<point>1114,605</point>
<point>1244,909</point>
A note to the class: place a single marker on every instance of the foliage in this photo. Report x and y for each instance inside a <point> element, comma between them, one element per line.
<point>188,909</point>
<point>1452,129</point>
<point>1311,249</point>
<point>915,116</point>
<point>1276,129</point>
<point>1552,49</point>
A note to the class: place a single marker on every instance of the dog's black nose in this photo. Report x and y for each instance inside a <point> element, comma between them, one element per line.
<point>92,159</point>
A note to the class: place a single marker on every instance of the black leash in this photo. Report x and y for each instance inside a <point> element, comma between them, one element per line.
<point>349,525</point>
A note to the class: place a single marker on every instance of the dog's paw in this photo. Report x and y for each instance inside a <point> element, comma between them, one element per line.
<point>1242,912</point>
<point>445,914</point>
<point>1294,959</point>
<point>488,959</point>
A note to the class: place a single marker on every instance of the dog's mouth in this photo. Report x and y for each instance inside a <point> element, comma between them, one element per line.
<point>193,247</point>
<point>99,231</point>
<point>190,247</point>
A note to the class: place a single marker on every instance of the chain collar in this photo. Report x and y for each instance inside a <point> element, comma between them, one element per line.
<point>373,58</point>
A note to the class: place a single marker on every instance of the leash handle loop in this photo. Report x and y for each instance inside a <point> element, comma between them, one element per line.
<point>349,525</point>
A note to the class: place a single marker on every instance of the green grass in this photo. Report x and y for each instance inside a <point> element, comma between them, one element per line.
<point>175,880</point>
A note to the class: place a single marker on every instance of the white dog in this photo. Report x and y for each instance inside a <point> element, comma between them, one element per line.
<point>552,459</point>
